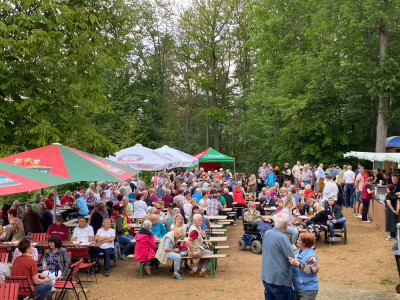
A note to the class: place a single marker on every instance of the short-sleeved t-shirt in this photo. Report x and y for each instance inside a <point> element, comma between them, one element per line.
<point>129,207</point>
<point>392,197</point>
<point>83,211</point>
<point>222,200</point>
<point>109,233</point>
<point>194,235</point>
<point>24,266</point>
<point>82,234</point>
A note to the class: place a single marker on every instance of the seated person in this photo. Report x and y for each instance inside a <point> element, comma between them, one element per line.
<point>98,214</point>
<point>335,216</point>
<point>157,228</point>
<point>46,218</point>
<point>58,229</point>
<point>31,220</point>
<point>13,213</point>
<point>161,215</point>
<point>122,232</point>
<point>83,232</point>
<point>170,220</point>
<point>252,216</point>
<point>80,207</point>
<point>56,255</point>
<point>168,249</point>
<point>205,222</point>
<point>288,206</point>
<point>261,207</point>
<point>269,200</point>
<point>319,221</point>
<point>129,206</point>
<point>34,255</point>
<point>279,206</point>
<point>24,265</point>
<point>145,245</point>
<point>107,235</point>
<point>67,199</point>
<point>13,233</point>
<point>305,209</point>
<point>196,248</point>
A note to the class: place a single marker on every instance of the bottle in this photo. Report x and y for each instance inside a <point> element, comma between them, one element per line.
<point>44,263</point>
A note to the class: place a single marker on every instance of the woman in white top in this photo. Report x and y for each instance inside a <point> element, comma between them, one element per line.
<point>178,223</point>
<point>140,207</point>
<point>107,235</point>
<point>204,200</point>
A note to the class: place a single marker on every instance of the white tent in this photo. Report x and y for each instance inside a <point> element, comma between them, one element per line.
<point>142,158</point>
<point>181,159</point>
<point>373,156</point>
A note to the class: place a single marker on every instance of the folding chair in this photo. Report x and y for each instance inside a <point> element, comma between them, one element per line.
<point>66,284</point>
<point>23,285</point>
<point>4,258</point>
<point>3,249</point>
<point>9,291</point>
<point>40,237</point>
<point>81,253</point>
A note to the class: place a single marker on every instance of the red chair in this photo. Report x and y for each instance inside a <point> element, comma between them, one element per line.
<point>24,286</point>
<point>4,258</point>
<point>82,253</point>
<point>66,284</point>
<point>3,249</point>
<point>40,237</point>
<point>9,291</point>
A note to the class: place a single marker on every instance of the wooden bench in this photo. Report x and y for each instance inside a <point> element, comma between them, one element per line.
<point>211,259</point>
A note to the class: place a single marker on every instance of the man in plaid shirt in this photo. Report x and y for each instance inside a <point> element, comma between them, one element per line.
<point>213,206</point>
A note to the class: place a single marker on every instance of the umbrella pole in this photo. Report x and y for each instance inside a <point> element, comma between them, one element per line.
<point>55,204</point>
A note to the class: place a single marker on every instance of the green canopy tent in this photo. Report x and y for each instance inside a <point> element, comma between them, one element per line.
<point>210,159</point>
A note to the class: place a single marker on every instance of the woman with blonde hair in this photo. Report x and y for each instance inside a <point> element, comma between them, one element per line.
<point>319,221</point>
<point>340,184</point>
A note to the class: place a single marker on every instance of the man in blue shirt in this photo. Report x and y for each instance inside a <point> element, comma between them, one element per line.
<point>276,271</point>
<point>80,207</point>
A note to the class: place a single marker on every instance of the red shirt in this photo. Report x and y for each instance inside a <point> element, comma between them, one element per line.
<point>24,266</point>
<point>194,235</point>
<point>61,232</point>
<point>49,203</point>
<point>308,192</point>
<point>65,200</point>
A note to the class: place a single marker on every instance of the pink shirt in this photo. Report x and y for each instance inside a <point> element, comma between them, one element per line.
<point>360,184</point>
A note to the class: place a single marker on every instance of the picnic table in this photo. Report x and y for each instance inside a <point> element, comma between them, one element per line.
<point>215,218</point>
<point>303,217</point>
<point>272,208</point>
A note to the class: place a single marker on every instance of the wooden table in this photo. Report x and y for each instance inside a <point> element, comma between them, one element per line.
<point>214,218</point>
<point>227,209</point>
<point>267,217</point>
<point>304,217</point>
<point>215,226</point>
<point>270,208</point>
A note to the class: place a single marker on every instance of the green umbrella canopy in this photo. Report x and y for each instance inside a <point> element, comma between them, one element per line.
<point>211,155</point>
<point>14,179</point>
<point>71,163</point>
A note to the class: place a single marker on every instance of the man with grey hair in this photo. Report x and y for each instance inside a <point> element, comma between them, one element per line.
<point>195,245</point>
<point>276,271</point>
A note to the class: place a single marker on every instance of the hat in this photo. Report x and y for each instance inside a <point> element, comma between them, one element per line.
<point>221,169</point>
<point>270,168</point>
<point>59,218</point>
<point>16,202</point>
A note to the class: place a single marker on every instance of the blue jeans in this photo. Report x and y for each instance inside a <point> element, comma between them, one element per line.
<point>73,215</point>
<point>126,239</point>
<point>277,292</point>
<point>176,257</point>
<point>44,288</point>
<point>107,252</point>
<point>307,182</point>
<point>339,221</point>
<point>293,231</point>
<point>231,215</point>
<point>348,195</point>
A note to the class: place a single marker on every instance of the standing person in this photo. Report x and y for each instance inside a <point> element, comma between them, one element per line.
<point>366,196</point>
<point>340,184</point>
<point>262,171</point>
<point>392,205</point>
<point>330,190</point>
<point>296,172</point>
<point>276,271</point>
<point>358,184</point>
<point>305,268</point>
<point>24,265</point>
<point>239,199</point>
<point>321,176</point>
<point>307,174</point>
<point>286,172</point>
<point>349,178</point>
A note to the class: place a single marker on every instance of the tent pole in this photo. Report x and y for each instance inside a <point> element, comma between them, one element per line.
<point>55,204</point>
<point>234,169</point>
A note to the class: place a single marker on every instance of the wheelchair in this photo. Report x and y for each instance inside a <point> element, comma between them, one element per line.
<point>340,232</point>
<point>251,237</point>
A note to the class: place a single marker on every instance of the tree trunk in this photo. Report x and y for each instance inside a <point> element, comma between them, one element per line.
<point>381,127</point>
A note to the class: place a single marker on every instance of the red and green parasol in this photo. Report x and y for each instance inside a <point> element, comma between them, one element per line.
<point>14,179</point>
<point>70,163</point>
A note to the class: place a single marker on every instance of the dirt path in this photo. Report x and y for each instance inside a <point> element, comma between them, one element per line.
<point>363,264</point>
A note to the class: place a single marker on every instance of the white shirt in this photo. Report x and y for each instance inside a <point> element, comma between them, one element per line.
<point>82,234</point>
<point>140,208</point>
<point>202,201</point>
<point>349,176</point>
<point>330,191</point>
<point>109,233</point>
<point>296,171</point>
<point>187,207</point>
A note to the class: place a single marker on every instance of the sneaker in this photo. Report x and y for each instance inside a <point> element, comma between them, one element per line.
<point>389,238</point>
<point>234,223</point>
<point>107,273</point>
<point>355,214</point>
<point>177,276</point>
<point>368,221</point>
<point>359,216</point>
<point>180,272</point>
<point>123,257</point>
<point>203,274</point>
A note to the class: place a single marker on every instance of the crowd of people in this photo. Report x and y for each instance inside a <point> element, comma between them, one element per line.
<point>173,214</point>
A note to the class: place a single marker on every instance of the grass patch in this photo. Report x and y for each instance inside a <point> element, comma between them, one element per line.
<point>221,289</point>
<point>387,281</point>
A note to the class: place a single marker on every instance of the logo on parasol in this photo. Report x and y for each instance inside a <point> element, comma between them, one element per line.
<point>5,181</point>
<point>129,158</point>
<point>31,164</point>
